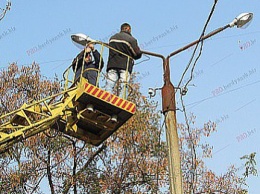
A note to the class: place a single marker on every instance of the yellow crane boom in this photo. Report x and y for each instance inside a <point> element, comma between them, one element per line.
<point>70,115</point>
<point>83,111</point>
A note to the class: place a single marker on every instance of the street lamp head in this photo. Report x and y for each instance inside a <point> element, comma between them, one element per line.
<point>242,21</point>
<point>81,40</point>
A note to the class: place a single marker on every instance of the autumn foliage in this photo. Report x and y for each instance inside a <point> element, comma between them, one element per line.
<point>132,160</point>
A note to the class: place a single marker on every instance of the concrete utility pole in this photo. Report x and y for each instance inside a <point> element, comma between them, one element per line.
<point>169,105</point>
<point>169,110</point>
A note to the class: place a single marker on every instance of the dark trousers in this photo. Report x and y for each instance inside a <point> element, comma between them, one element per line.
<point>90,75</point>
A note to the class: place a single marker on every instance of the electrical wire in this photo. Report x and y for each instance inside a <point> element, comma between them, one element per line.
<point>45,62</point>
<point>7,7</point>
<point>193,149</point>
<point>224,93</point>
<point>148,58</point>
<point>200,52</point>
<point>213,38</point>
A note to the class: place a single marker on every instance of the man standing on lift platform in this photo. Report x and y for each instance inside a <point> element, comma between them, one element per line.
<point>90,67</point>
<point>119,66</point>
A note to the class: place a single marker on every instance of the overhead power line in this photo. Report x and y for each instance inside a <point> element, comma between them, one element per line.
<point>193,104</point>
<point>7,8</point>
<point>193,147</point>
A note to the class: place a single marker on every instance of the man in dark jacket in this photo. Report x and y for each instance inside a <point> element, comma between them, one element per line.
<point>91,68</point>
<point>120,64</point>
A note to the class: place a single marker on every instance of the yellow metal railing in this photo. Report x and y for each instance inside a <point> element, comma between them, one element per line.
<point>70,76</point>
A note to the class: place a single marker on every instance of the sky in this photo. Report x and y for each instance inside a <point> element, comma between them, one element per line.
<point>226,77</point>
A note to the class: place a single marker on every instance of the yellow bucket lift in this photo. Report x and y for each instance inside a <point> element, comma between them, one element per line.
<point>83,111</point>
<point>97,115</point>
